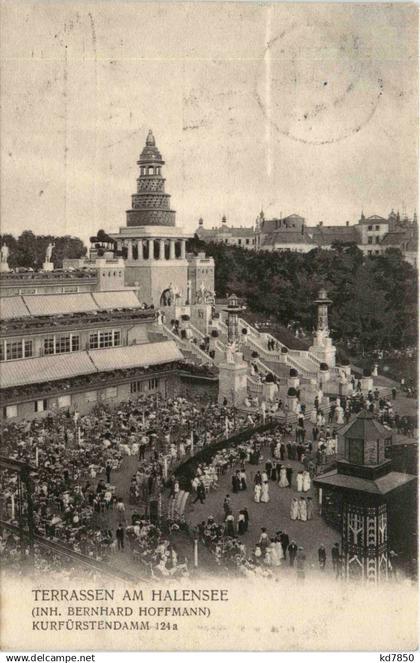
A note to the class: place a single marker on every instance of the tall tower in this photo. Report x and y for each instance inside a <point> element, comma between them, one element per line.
<point>150,206</point>
<point>154,248</point>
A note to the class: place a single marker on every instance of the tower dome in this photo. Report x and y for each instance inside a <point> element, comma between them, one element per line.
<point>150,206</point>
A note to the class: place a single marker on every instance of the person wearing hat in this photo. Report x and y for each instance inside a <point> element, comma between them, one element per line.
<point>322,557</point>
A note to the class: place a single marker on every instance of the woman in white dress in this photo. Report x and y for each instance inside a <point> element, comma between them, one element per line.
<point>299,482</point>
<point>339,414</point>
<point>283,483</point>
<point>265,495</point>
<point>294,509</point>
<point>306,481</point>
<point>272,550</point>
<point>257,493</point>
<point>309,507</point>
<point>279,549</point>
<point>302,510</point>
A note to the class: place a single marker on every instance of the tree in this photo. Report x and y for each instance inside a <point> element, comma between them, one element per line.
<point>29,250</point>
<point>374,298</point>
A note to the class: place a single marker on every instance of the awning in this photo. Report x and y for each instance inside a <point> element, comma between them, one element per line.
<point>82,302</point>
<point>381,486</point>
<point>44,369</point>
<point>132,356</point>
<point>13,307</point>
<point>117,299</point>
<point>58,367</point>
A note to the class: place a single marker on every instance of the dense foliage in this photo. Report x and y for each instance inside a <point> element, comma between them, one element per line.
<point>28,250</point>
<point>374,298</point>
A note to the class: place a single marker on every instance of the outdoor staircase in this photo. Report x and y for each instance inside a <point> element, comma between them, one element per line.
<point>304,361</point>
<point>192,353</point>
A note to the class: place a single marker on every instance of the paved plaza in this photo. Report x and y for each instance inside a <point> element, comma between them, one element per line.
<point>274,515</point>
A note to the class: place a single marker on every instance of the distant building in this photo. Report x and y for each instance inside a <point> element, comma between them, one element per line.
<point>224,234</point>
<point>373,234</point>
<point>284,234</point>
<point>325,236</point>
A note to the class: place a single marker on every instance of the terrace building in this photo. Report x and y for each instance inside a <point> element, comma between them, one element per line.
<point>74,350</point>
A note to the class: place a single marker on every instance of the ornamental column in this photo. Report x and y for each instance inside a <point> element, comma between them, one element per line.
<point>183,244</point>
<point>161,249</point>
<point>130,250</point>
<point>140,255</point>
<point>151,249</point>
<point>172,250</point>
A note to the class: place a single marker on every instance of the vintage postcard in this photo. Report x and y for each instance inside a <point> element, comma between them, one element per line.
<point>208,352</point>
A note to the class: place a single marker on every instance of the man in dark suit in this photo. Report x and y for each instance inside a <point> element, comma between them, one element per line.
<point>201,493</point>
<point>322,557</point>
<point>284,539</point>
<point>289,475</point>
<point>335,556</point>
<point>120,537</point>
<point>292,553</point>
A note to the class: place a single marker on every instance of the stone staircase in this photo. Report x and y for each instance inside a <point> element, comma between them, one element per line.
<point>192,353</point>
<point>304,361</point>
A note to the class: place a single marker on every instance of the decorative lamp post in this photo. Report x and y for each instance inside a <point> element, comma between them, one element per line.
<point>233,309</point>
<point>322,317</point>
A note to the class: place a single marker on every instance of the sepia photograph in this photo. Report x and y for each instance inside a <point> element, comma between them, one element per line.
<point>209,326</point>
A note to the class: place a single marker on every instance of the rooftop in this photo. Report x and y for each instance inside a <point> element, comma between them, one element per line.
<point>278,237</point>
<point>23,306</point>
<point>375,218</point>
<point>233,231</point>
<point>57,274</point>
<point>380,486</point>
<point>365,427</point>
<point>329,234</point>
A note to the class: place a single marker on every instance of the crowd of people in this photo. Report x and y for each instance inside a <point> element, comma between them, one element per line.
<point>99,479</point>
<point>260,465</point>
<point>76,459</point>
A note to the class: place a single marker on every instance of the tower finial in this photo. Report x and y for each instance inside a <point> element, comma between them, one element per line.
<point>150,140</point>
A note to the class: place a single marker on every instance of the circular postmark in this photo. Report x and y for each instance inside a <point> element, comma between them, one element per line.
<point>317,86</point>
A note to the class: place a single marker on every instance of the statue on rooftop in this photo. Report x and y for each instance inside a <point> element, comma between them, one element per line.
<point>48,253</point>
<point>4,253</point>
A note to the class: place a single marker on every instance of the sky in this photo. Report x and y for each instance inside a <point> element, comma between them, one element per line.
<point>292,108</point>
